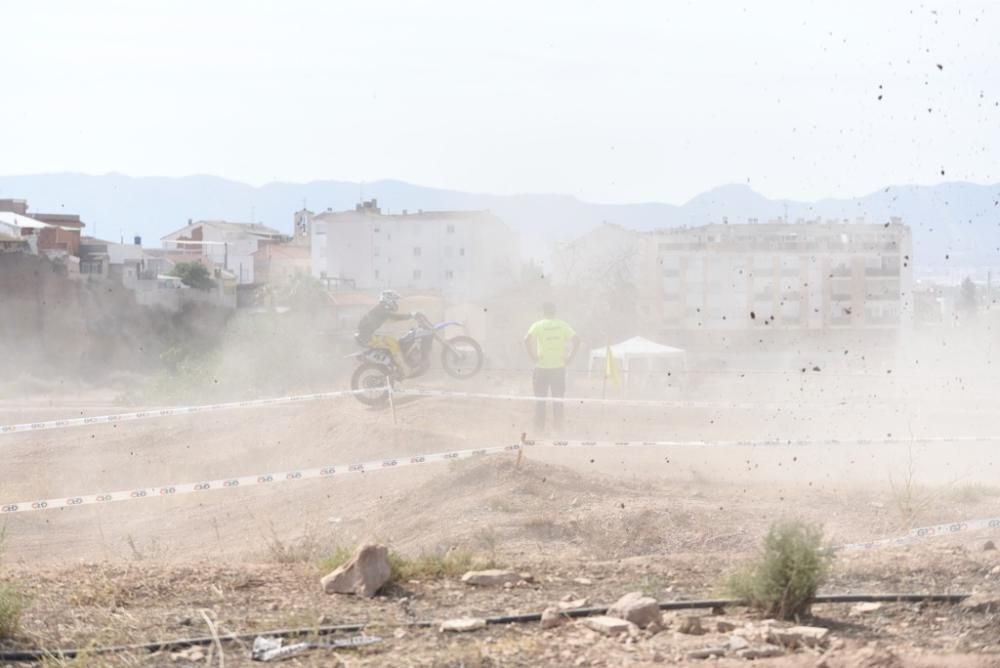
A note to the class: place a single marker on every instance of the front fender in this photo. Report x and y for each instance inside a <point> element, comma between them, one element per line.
<point>449,323</point>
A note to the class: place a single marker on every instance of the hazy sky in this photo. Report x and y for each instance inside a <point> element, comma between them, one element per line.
<point>609,101</point>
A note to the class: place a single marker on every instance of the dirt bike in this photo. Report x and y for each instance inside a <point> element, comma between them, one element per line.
<point>461,357</point>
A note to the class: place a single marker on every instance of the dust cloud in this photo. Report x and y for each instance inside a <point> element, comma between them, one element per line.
<point>868,433</point>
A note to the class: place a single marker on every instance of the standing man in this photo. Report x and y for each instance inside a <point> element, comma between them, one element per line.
<point>551,344</point>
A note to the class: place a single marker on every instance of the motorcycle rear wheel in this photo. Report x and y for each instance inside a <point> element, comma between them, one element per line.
<point>371,383</point>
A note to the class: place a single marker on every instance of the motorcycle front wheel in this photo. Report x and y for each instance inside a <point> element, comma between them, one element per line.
<point>370,382</point>
<point>462,357</point>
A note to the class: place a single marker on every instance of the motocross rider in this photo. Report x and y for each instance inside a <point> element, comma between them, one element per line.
<point>385,310</point>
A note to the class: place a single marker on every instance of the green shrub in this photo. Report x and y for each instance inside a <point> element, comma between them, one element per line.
<point>12,604</point>
<point>340,556</point>
<point>784,578</point>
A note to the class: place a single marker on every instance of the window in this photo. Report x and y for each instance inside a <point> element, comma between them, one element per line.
<point>461,251</point>
<point>377,229</point>
<point>448,251</point>
<point>451,229</point>
<point>416,251</point>
<point>417,274</point>
<point>376,273</point>
<point>449,274</point>
<point>375,251</point>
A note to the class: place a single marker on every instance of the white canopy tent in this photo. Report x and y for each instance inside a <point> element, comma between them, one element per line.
<point>639,357</point>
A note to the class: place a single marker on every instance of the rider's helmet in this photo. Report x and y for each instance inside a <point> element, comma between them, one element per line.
<point>389,299</point>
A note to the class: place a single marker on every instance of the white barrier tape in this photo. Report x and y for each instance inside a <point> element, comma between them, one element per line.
<point>922,533</point>
<point>240,482</point>
<point>421,392</point>
<point>762,443</point>
<point>165,412</point>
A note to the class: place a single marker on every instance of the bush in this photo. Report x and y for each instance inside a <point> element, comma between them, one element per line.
<point>193,275</point>
<point>12,604</point>
<point>786,575</point>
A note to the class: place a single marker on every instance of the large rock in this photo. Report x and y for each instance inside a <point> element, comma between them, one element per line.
<point>609,626</point>
<point>636,608</point>
<point>366,572</point>
<point>493,577</point>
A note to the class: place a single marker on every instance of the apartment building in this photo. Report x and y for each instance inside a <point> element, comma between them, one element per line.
<point>806,275</point>
<point>460,254</point>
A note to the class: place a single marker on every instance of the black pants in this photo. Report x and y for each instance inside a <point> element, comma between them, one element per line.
<point>546,382</point>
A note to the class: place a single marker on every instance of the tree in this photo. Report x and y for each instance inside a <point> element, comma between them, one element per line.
<point>194,275</point>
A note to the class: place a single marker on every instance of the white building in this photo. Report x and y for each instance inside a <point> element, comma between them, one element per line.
<point>807,275</point>
<point>460,254</point>
<point>226,245</point>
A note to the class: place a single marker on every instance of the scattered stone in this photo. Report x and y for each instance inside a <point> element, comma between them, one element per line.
<point>988,546</point>
<point>865,608</point>
<point>765,651</point>
<point>463,625</point>
<point>571,603</point>
<point>399,633</point>
<point>706,653</point>
<point>609,626</point>
<point>490,578</point>
<point>191,654</point>
<point>799,636</point>
<point>636,608</point>
<point>737,643</point>
<point>875,657</point>
<point>366,572</point>
<point>691,625</point>
<point>551,617</point>
<point>583,581</point>
<point>982,602</point>
<point>724,626</point>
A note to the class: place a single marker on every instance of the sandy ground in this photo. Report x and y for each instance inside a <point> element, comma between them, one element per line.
<point>667,520</point>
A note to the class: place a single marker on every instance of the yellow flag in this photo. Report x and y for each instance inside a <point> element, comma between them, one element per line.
<point>610,368</point>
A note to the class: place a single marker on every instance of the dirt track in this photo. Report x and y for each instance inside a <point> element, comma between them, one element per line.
<point>856,490</point>
<point>586,504</point>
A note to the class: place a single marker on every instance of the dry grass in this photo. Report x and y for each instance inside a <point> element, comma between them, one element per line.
<point>12,605</point>
<point>908,497</point>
